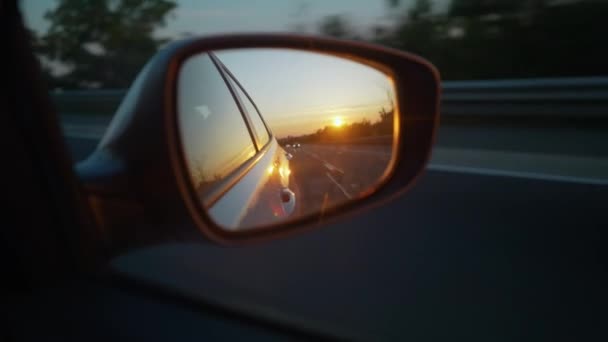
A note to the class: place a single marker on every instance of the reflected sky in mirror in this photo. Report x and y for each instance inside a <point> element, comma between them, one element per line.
<point>328,115</point>
<point>299,92</point>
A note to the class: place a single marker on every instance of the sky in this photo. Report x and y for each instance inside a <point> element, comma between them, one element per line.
<point>298,92</point>
<point>280,101</point>
<point>222,16</point>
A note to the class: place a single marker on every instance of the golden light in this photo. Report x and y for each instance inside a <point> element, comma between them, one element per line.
<point>338,121</point>
<point>284,171</point>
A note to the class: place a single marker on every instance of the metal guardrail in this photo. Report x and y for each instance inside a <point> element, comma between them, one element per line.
<point>566,98</point>
<point>557,97</point>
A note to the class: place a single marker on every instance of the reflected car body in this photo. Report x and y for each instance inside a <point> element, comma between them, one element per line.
<point>258,192</point>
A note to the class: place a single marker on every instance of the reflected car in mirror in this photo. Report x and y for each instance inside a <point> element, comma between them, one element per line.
<point>337,106</point>
<point>243,181</point>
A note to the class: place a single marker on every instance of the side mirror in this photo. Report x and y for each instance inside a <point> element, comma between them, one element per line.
<point>247,136</point>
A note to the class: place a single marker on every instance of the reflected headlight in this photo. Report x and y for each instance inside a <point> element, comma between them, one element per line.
<point>284,171</point>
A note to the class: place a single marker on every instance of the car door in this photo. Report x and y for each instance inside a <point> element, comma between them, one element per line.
<point>234,178</point>
<point>272,198</point>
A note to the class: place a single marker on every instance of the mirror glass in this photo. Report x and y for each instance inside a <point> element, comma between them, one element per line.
<point>273,135</point>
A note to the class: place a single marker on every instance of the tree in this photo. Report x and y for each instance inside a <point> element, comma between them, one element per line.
<point>420,9</point>
<point>416,30</point>
<point>103,43</point>
<point>473,8</point>
<point>336,26</point>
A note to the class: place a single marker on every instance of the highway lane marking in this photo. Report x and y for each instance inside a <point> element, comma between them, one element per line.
<point>339,186</point>
<point>355,150</point>
<point>332,168</point>
<point>515,174</point>
<point>327,165</point>
<point>552,167</point>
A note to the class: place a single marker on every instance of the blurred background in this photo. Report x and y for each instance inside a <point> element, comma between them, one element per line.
<point>525,86</point>
<point>495,235</point>
<point>103,44</point>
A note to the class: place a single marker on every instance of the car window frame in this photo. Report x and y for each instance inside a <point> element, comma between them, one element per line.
<point>259,141</point>
<point>217,191</point>
<point>232,78</point>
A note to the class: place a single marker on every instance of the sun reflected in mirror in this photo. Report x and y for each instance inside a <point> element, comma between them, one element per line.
<point>338,121</point>
<point>274,135</point>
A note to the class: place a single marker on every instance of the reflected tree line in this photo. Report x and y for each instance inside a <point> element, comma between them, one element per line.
<point>103,44</point>
<point>363,131</point>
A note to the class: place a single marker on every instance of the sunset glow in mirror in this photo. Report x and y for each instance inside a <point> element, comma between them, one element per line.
<point>300,92</point>
<point>273,135</point>
<point>338,121</point>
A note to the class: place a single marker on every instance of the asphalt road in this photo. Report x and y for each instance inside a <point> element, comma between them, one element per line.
<point>547,139</point>
<point>485,256</point>
<point>328,175</point>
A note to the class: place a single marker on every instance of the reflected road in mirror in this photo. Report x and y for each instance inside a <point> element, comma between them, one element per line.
<point>273,135</point>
